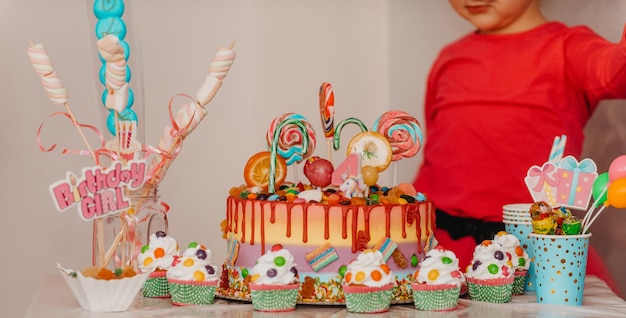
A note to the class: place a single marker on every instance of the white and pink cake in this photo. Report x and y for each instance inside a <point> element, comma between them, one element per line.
<point>324,238</point>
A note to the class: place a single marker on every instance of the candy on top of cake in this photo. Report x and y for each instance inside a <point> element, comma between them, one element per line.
<point>489,261</point>
<point>440,266</point>
<point>291,139</point>
<point>276,267</point>
<point>368,269</point>
<point>159,253</point>
<point>194,265</point>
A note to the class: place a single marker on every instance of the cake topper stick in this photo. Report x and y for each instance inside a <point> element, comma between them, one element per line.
<point>610,188</point>
<point>327,114</point>
<point>558,147</point>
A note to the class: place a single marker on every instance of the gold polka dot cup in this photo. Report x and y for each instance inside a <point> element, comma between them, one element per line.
<point>560,266</point>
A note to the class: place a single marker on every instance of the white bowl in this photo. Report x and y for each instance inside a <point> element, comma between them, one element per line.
<point>99,295</point>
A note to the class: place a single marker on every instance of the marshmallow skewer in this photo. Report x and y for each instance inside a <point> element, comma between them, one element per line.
<point>115,80</point>
<point>190,115</point>
<point>52,85</point>
<point>58,94</point>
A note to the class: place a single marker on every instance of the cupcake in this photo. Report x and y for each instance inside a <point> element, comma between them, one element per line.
<point>490,274</point>
<point>437,282</point>
<point>368,283</point>
<point>274,281</point>
<point>518,257</point>
<point>156,258</point>
<point>193,278</point>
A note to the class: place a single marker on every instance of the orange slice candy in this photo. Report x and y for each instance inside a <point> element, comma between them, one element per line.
<point>257,170</point>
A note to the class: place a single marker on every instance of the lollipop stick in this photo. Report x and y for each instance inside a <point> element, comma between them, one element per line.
<point>329,149</point>
<point>593,220</point>
<point>395,173</point>
<point>295,173</point>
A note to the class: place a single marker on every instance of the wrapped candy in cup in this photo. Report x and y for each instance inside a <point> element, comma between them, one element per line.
<point>572,226</point>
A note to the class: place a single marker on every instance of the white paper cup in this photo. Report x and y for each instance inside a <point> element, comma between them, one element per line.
<point>521,227</point>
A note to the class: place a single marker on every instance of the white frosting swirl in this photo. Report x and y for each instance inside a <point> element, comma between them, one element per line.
<point>489,261</point>
<point>439,267</point>
<point>194,265</point>
<point>275,267</point>
<point>159,253</point>
<point>511,245</point>
<point>368,269</point>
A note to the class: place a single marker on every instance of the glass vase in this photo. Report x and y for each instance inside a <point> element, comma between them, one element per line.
<point>118,239</point>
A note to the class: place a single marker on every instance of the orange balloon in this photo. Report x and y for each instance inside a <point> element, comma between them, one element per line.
<point>370,175</point>
<point>616,193</point>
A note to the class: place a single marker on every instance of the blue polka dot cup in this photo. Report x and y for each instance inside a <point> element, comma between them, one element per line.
<point>560,267</point>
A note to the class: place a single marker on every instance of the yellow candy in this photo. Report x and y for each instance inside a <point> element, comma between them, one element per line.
<point>198,276</point>
<point>545,226</point>
<point>433,274</point>
<point>188,262</point>
<point>147,261</point>
<point>360,276</point>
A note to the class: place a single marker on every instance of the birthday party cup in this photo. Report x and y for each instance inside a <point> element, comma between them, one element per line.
<point>560,265</point>
<point>517,221</point>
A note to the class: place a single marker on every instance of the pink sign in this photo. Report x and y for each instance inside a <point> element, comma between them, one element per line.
<point>99,192</point>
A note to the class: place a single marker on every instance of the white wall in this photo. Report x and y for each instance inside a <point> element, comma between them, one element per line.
<point>375,53</point>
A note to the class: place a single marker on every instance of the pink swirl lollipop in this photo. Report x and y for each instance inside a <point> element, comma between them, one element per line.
<point>402,131</point>
<point>290,139</point>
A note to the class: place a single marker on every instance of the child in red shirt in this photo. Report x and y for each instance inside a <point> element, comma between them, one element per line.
<point>495,100</point>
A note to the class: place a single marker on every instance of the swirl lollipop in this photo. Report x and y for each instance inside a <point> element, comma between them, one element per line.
<point>327,112</point>
<point>402,131</point>
<point>291,140</point>
<point>297,125</point>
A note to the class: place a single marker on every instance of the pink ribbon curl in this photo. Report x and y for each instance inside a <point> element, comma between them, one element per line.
<point>81,152</point>
<point>544,174</point>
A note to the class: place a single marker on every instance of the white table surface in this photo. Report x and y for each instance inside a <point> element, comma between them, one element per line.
<point>54,299</point>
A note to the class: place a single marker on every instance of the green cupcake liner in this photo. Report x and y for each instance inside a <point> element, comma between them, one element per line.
<point>186,293</point>
<point>368,299</point>
<point>156,287</point>
<point>488,291</point>
<point>518,284</point>
<point>274,298</point>
<point>435,299</point>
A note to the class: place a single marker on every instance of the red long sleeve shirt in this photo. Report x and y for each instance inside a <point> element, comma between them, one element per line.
<point>495,103</point>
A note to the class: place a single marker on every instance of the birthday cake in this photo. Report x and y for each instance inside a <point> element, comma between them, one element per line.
<point>326,222</point>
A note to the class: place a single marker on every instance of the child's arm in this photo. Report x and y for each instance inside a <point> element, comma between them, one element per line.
<point>596,65</point>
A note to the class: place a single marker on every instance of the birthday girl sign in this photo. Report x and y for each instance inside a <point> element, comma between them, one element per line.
<point>99,191</point>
